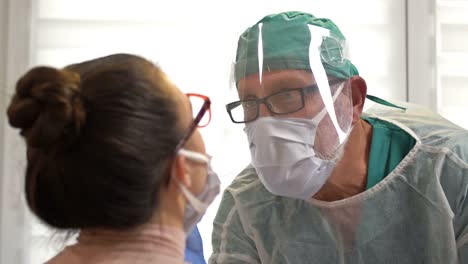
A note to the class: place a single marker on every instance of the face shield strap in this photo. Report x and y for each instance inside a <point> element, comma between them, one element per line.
<point>318,118</point>
<point>320,75</point>
<point>260,51</point>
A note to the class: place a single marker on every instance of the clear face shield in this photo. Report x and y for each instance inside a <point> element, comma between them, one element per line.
<point>293,96</point>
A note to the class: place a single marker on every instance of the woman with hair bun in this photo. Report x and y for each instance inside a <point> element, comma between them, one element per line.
<point>114,153</point>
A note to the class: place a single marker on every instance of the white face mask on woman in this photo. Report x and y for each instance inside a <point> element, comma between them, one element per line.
<point>197,204</point>
<point>283,156</point>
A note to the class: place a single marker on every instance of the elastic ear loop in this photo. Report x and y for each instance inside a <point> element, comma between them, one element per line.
<point>194,201</point>
<point>197,204</point>
<point>194,155</point>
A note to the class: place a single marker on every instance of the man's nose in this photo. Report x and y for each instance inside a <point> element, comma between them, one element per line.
<point>263,111</point>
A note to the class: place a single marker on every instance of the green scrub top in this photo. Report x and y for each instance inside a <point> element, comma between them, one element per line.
<point>390,144</point>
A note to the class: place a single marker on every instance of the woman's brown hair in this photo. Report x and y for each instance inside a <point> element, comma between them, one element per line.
<point>100,135</point>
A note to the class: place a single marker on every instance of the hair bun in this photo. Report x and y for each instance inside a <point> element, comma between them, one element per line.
<point>47,107</point>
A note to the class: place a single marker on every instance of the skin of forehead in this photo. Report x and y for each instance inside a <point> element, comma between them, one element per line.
<point>274,81</point>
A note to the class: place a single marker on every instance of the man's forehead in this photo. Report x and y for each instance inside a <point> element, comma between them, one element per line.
<point>274,80</point>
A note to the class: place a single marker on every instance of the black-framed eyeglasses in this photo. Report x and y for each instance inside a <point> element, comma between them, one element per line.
<point>200,106</point>
<point>280,103</point>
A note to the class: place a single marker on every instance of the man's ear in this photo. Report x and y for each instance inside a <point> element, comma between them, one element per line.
<point>359,92</point>
<point>179,172</point>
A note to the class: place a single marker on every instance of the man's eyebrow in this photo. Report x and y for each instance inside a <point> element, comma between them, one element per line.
<point>313,87</point>
<point>246,93</point>
<point>283,84</point>
<point>249,96</point>
<point>336,81</point>
<point>330,82</point>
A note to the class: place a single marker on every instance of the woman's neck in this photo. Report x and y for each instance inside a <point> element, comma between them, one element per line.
<point>168,219</point>
<point>148,243</point>
<point>161,238</point>
<point>171,209</point>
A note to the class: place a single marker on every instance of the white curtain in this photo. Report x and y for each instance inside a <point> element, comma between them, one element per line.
<point>14,58</point>
<point>452,60</point>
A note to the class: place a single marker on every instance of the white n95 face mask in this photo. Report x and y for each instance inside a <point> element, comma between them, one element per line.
<point>198,204</point>
<point>282,154</point>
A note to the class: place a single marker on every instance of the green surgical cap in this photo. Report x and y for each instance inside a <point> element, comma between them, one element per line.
<point>286,40</point>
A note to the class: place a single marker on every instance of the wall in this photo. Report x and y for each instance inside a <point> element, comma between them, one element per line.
<point>14,60</point>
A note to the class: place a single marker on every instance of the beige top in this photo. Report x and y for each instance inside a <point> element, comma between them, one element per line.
<point>149,244</point>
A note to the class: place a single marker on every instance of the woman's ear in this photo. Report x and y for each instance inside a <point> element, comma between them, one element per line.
<point>179,171</point>
<point>359,92</point>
